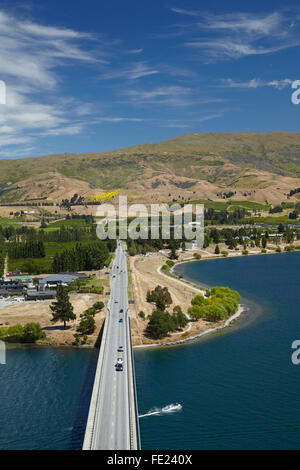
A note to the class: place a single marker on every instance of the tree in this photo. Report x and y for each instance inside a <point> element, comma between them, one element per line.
<point>217,250</point>
<point>87,325</point>
<point>160,303</point>
<point>198,300</point>
<point>195,312</point>
<point>14,334</point>
<point>173,253</point>
<point>89,312</point>
<point>160,324</point>
<point>62,309</point>
<point>32,332</point>
<point>180,317</point>
<point>159,294</point>
<point>98,306</point>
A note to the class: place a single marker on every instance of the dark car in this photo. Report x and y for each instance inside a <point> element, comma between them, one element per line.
<point>119,364</point>
<point>121,311</point>
<point>121,320</point>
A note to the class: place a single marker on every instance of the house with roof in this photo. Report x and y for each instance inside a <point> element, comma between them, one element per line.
<point>40,293</point>
<point>62,279</point>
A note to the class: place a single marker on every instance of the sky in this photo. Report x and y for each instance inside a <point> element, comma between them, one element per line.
<point>93,76</point>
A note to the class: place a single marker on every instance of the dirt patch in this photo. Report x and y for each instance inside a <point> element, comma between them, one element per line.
<point>40,312</point>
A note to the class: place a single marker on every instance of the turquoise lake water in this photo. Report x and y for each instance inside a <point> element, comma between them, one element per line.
<point>239,388</point>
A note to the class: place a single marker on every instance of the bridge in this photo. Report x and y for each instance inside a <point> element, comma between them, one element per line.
<point>113,415</point>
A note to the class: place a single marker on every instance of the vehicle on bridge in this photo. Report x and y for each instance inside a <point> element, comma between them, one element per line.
<point>121,320</point>
<point>119,364</point>
<point>120,349</point>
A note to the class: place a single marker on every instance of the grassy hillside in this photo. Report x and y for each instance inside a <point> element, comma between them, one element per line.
<point>228,160</point>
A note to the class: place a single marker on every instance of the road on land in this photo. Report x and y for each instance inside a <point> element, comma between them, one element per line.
<point>112,421</point>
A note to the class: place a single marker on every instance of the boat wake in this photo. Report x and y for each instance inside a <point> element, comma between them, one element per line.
<point>173,408</point>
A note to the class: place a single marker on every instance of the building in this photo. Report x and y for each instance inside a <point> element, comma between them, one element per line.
<point>11,286</point>
<point>40,293</point>
<point>62,279</point>
<point>4,293</point>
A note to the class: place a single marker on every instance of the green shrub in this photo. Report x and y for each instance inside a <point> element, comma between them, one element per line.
<point>197,256</point>
<point>198,300</point>
<point>222,303</point>
<point>87,325</point>
<point>84,339</point>
<point>98,306</point>
<point>32,332</point>
<point>170,263</point>
<point>76,339</point>
<point>195,312</point>
<point>14,334</point>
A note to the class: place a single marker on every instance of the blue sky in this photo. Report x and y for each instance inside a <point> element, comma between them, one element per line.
<point>91,76</point>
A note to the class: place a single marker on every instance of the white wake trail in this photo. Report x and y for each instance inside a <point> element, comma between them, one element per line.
<point>173,408</point>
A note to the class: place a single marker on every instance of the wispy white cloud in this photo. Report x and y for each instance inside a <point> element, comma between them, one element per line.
<point>240,34</point>
<point>30,51</point>
<point>170,95</point>
<point>189,122</point>
<point>116,119</point>
<point>135,51</point>
<point>20,151</point>
<point>256,83</point>
<point>250,23</point>
<point>29,56</point>
<point>182,11</point>
<point>234,50</point>
<point>132,72</point>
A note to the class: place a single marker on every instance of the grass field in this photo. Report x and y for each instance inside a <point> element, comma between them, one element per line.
<point>282,219</point>
<point>44,264</point>
<point>231,205</point>
<point>7,221</point>
<point>68,223</point>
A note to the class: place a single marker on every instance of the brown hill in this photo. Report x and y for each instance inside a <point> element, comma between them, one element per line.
<point>193,166</point>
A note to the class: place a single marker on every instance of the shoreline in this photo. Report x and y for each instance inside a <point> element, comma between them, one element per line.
<point>230,255</point>
<point>241,309</point>
<point>235,316</point>
<point>172,276</point>
<point>174,279</point>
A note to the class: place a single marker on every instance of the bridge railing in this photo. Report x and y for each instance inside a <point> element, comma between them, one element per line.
<point>136,411</point>
<point>89,432</point>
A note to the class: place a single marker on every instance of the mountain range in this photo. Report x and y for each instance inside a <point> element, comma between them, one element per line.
<point>257,166</point>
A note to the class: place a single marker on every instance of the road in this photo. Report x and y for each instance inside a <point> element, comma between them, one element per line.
<point>112,418</point>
